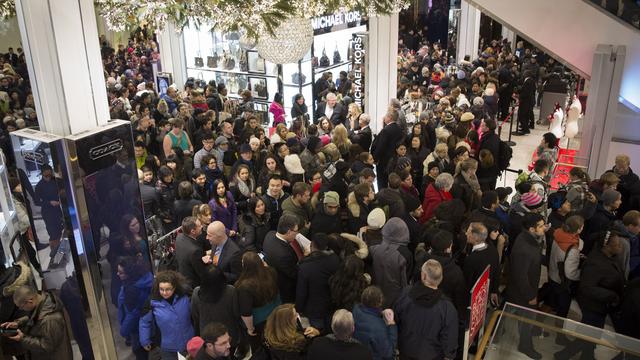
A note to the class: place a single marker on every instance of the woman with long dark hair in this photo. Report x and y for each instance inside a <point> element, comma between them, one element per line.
<point>254,224</point>
<point>270,167</point>
<point>215,301</point>
<point>277,110</point>
<point>299,107</point>
<point>168,309</point>
<point>348,283</point>
<point>223,208</point>
<point>242,186</point>
<point>257,295</point>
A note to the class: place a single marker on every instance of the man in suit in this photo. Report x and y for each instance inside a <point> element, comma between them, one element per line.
<point>225,254</point>
<point>332,109</point>
<point>527,99</point>
<point>282,252</point>
<point>362,136</point>
<point>387,139</point>
<point>187,248</point>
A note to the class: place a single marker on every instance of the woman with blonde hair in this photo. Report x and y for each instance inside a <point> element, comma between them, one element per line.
<point>353,116</point>
<point>341,139</point>
<point>282,336</point>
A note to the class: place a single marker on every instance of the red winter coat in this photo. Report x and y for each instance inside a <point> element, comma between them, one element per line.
<point>432,198</point>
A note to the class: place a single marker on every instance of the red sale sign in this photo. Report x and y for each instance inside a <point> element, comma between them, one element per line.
<point>479,300</point>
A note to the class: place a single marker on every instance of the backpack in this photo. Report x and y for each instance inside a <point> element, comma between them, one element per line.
<point>505,153</point>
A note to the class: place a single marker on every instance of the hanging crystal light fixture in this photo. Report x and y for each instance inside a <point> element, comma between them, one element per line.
<point>290,41</point>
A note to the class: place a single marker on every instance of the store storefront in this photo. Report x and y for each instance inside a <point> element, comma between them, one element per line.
<point>211,55</point>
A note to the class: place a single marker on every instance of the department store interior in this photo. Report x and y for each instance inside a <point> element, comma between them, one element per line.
<point>393,179</point>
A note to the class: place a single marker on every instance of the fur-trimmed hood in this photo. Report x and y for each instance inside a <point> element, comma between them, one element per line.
<point>21,276</point>
<point>352,205</point>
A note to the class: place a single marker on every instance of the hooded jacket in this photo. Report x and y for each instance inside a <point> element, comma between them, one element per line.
<point>131,300</point>
<point>45,331</point>
<point>10,280</point>
<point>392,259</point>
<point>173,319</point>
<point>427,323</point>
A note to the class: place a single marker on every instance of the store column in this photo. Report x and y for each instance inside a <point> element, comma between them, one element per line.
<point>382,72</point>
<point>468,31</point>
<point>602,107</point>
<point>60,41</point>
<point>172,54</point>
<point>81,164</point>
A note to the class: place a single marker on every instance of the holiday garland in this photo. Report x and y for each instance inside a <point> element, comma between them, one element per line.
<point>251,16</point>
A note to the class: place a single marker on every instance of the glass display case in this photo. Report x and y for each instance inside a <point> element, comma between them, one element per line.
<point>8,216</point>
<point>297,79</point>
<point>213,55</point>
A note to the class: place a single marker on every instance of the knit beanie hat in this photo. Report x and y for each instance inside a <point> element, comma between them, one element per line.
<point>194,345</point>
<point>331,198</point>
<point>466,117</point>
<point>376,218</point>
<point>293,165</point>
<point>478,101</point>
<point>531,199</point>
<point>395,231</point>
<point>609,196</point>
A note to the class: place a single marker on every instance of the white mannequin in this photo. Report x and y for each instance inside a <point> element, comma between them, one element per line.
<point>574,113</point>
<point>556,123</point>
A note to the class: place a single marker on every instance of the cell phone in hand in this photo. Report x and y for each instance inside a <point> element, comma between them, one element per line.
<point>8,332</point>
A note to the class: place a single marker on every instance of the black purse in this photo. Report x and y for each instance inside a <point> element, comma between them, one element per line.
<point>228,62</point>
<point>199,62</point>
<point>212,61</point>
<point>298,78</point>
<point>324,59</point>
<point>336,56</point>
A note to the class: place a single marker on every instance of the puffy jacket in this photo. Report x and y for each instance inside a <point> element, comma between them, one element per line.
<point>173,321</point>
<point>131,300</point>
<point>372,331</point>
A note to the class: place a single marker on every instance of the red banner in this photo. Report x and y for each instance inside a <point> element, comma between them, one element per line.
<point>479,300</point>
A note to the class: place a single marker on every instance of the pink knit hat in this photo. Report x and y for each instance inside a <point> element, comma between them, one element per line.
<point>531,199</point>
<point>194,345</point>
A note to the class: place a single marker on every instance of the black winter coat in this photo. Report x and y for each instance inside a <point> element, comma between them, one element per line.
<point>453,283</point>
<point>525,261</point>
<point>313,296</point>
<point>183,208</point>
<point>387,139</point>
<point>253,231</point>
<point>427,323</point>
<point>491,142</point>
<point>323,223</point>
<point>601,283</point>
<point>328,347</point>
<point>281,256</point>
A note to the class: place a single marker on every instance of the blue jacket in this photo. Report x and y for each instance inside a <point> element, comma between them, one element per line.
<point>173,321</point>
<point>131,300</point>
<point>372,331</point>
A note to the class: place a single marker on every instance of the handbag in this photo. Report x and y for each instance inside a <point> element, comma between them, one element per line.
<point>336,56</point>
<point>298,78</point>
<point>324,59</point>
<point>199,62</point>
<point>212,61</point>
<point>244,64</point>
<point>228,62</point>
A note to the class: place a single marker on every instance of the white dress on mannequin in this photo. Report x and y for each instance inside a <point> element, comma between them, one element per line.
<point>572,118</point>
<point>556,123</point>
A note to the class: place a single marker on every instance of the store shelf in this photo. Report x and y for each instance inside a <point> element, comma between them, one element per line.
<point>323,69</point>
<point>256,74</point>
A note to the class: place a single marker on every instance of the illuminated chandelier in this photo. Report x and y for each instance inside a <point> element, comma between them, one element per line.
<point>288,43</point>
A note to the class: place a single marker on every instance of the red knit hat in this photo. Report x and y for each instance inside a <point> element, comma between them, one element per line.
<point>194,345</point>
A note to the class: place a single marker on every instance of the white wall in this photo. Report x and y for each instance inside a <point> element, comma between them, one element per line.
<point>571,29</point>
<point>10,38</point>
<point>617,148</point>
